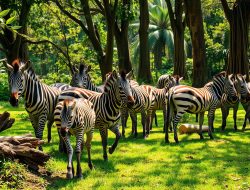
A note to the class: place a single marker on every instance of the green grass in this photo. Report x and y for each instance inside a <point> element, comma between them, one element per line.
<point>223,163</point>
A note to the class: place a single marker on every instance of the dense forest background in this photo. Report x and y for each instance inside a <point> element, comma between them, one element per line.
<point>190,38</point>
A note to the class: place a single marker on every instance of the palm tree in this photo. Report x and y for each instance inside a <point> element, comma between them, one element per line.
<point>160,37</point>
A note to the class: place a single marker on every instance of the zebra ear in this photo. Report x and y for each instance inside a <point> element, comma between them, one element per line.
<point>88,68</point>
<point>25,66</point>
<point>130,74</point>
<point>81,68</point>
<point>244,77</point>
<point>5,63</point>
<point>180,79</point>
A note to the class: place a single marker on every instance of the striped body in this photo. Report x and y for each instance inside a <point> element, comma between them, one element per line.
<point>40,99</point>
<point>78,117</point>
<point>182,99</point>
<point>61,86</point>
<point>106,105</point>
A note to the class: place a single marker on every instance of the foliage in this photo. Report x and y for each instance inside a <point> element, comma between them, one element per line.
<point>11,174</point>
<point>4,87</point>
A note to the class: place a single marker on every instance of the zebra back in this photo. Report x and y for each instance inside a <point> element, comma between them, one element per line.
<point>164,80</point>
<point>61,86</point>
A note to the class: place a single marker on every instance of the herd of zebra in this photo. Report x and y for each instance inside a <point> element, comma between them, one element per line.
<point>80,107</point>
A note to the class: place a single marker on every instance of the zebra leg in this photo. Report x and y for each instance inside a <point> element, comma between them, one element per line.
<point>175,123</point>
<point>124,118</point>
<point>79,140</point>
<point>152,118</point>
<point>117,133</point>
<point>164,117</point>
<point>104,136</point>
<point>196,117</point>
<point>235,109</point>
<point>143,121</point>
<point>247,117</point>
<point>156,122</point>
<point>133,116</point>
<point>211,112</point>
<point>62,145</point>
<point>200,124</point>
<point>70,167</point>
<point>40,129</point>
<point>49,125</point>
<point>88,146</point>
<point>148,123</point>
<point>225,112</point>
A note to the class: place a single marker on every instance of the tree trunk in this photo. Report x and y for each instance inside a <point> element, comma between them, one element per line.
<point>178,26</point>
<point>195,24</point>
<point>158,56</point>
<point>144,73</point>
<point>238,18</point>
<point>121,36</point>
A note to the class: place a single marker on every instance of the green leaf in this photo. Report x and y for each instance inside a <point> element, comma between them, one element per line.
<point>4,13</point>
<point>16,27</point>
<point>10,20</point>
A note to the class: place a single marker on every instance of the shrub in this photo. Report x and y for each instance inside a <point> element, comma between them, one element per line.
<point>4,87</point>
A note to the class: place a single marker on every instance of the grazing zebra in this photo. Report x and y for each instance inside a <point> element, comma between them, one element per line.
<point>40,99</point>
<point>77,117</point>
<point>227,103</point>
<point>61,86</point>
<point>82,79</point>
<point>182,99</point>
<point>164,80</point>
<point>106,105</point>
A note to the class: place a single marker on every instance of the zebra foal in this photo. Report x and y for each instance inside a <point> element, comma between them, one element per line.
<point>182,99</point>
<point>77,117</point>
<point>40,99</point>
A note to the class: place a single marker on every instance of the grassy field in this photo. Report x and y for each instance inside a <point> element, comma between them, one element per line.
<point>223,163</point>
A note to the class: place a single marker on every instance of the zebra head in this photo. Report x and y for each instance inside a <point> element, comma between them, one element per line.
<point>81,77</point>
<point>16,79</point>
<point>67,115</point>
<point>242,87</point>
<point>230,88</point>
<point>120,85</point>
<point>171,81</point>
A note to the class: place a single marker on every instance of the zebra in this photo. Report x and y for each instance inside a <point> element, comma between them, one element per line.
<point>40,99</point>
<point>244,97</point>
<point>163,80</point>
<point>82,79</point>
<point>227,103</point>
<point>106,105</point>
<point>76,116</point>
<point>160,93</point>
<point>182,99</point>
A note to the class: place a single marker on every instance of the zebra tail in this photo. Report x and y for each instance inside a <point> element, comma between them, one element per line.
<point>168,118</point>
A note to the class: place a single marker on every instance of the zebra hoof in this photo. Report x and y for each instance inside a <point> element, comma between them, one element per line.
<point>111,150</point>
<point>69,176</point>
<point>235,128</point>
<point>176,141</point>
<point>91,166</point>
<point>79,176</point>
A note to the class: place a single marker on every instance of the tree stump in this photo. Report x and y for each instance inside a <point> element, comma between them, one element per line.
<point>24,149</point>
<point>5,121</point>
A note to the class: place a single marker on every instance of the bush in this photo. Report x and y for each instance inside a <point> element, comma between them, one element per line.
<point>11,175</point>
<point>4,87</point>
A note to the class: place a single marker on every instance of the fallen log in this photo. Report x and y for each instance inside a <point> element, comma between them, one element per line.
<point>5,121</point>
<point>190,128</point>
<point>23,148</point>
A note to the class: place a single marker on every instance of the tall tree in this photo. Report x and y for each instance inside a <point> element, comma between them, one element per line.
<point>13,44</point>
<point>121,36</point>
<point>178,24</point>
<point>238,18</point>
<point>107,8</point>
<point>144,73</point>
<point>195,24</point>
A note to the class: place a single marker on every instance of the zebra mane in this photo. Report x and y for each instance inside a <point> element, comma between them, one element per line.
<point>15,65</point>
<point>222,73</point>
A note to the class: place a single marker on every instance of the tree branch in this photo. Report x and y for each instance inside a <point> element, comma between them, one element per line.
<point>72,17</point>
<point>227,10</point>
<point>99,5</point>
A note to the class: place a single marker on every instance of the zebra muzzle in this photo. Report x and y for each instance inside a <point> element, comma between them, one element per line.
<point>14,99</point>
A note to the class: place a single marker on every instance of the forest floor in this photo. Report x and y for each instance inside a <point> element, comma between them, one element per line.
<point>222,163</point>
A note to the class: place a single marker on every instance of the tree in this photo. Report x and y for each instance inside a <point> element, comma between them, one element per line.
<point>144,72</point>
<point>107,8</point>
<point>195,24</point>
<point>178,24</point>
<point>238,18</point>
